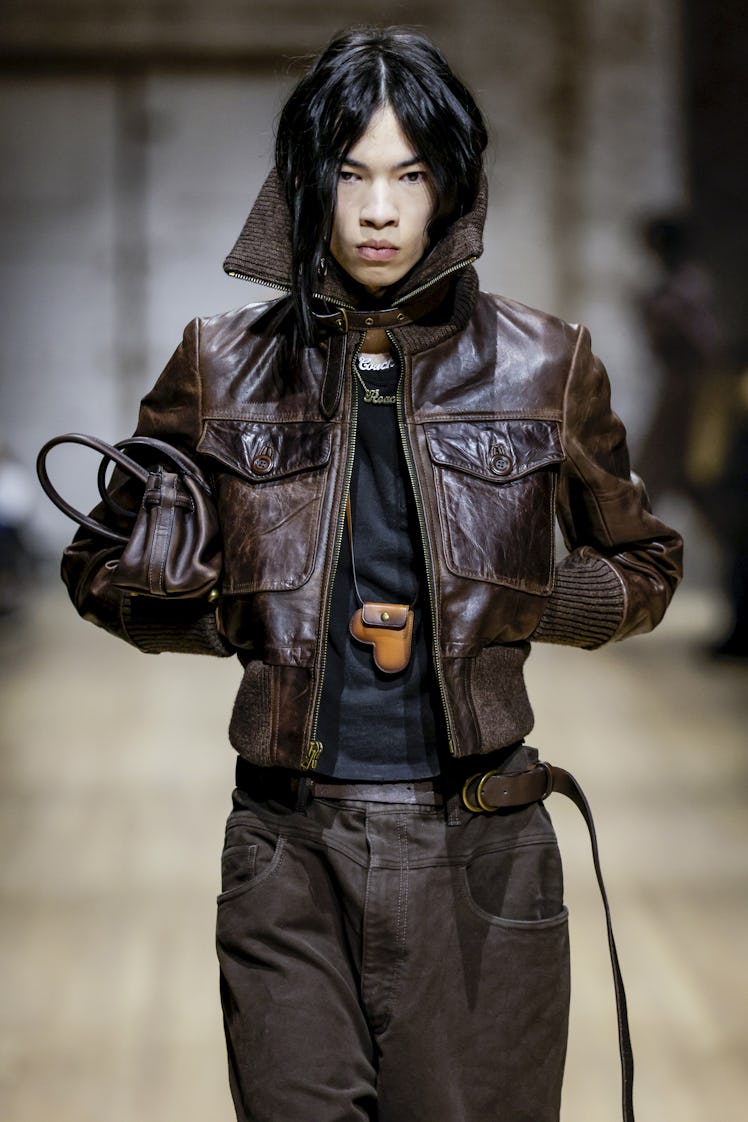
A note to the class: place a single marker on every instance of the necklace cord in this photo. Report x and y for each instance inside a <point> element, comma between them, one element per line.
<point>349,524</point>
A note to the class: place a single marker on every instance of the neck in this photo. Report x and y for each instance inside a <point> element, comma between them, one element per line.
<point>376,342</point>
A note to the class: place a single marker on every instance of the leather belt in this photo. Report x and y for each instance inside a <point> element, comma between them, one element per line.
<point>296,790</point>
<point>485,792</point>
<point>493,790</point>
<point>421,792</point>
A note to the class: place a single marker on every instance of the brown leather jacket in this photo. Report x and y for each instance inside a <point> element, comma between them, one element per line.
<point>507,427</point>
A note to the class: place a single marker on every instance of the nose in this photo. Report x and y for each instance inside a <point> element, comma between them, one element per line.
<point>379,208</point>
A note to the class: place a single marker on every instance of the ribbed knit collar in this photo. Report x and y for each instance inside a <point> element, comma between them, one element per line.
<point>262,253</point>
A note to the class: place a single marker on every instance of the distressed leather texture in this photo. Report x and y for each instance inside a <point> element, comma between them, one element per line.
<point>509,430</point>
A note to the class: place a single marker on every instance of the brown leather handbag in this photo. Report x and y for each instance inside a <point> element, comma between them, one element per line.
<point>173,547</point>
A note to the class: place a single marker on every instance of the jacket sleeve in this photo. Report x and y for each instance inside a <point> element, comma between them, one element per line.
<point>623,564</point>
<point>171,411</point>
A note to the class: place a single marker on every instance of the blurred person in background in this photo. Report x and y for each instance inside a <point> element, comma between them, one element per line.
<point>389,447</point>
<point>695,444</point>
<point>679,314</point>
<point>724,493</point>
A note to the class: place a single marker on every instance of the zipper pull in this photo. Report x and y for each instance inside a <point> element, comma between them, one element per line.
<point>312,753</point>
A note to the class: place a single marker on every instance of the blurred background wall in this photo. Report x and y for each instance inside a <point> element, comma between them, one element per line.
<point>135,135</point>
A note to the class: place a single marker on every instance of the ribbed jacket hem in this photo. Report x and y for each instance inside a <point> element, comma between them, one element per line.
<point>586,606</point>
<point>179,626</point>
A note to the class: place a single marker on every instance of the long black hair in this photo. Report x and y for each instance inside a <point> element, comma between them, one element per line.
<point>361,71</point>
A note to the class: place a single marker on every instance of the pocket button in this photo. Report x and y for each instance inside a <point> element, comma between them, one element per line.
<point>500,463</point>
<point>262,463</point>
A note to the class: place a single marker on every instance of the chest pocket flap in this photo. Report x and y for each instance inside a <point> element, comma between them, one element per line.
<point>499,451</point>
<point>495,483</point>
<point>261,451</point>
<point>269,500</point>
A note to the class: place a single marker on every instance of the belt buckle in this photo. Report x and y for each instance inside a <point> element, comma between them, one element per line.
<point>482,778</point>
<point>481,807</point>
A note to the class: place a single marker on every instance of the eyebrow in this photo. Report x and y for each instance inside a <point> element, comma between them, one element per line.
<point>396,167</point>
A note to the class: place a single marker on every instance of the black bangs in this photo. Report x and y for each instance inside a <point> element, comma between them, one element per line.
<point>329,110</point>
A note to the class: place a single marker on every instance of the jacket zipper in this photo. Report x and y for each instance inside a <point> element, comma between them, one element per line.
<point>346,304</point>
<point>435,280</point>
<point>258,280</point>
<point>427,554</point>
<point>313,751</point>
<point>315,747</point>
<point>285,288</point>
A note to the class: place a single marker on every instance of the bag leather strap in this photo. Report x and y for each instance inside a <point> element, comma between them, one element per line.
<point>112,453</point>
<point>493,791</point>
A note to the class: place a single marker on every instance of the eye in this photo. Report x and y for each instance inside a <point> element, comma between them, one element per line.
<point>347,176</point>
<point>415,177</point>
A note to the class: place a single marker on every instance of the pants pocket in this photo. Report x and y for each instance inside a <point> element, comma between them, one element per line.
<point>520,884</point>
<point>251,854</point>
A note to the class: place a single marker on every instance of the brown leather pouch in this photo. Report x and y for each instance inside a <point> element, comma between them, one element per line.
<point>388,629</point>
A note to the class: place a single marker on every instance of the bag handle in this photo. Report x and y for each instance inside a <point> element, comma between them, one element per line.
<point>182,462</point>
<point>112,453</point>
<point>180,459</point>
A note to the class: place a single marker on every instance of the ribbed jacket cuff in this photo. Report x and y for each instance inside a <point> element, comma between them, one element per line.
<point>586,606</point>
<point>180,626</point>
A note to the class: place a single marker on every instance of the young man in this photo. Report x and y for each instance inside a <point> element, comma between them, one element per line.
<point>389,448</point>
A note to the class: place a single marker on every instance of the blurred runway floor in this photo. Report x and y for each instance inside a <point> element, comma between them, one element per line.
<point>115,785</point>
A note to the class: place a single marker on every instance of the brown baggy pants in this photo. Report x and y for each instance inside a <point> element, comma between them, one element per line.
<point>379,964</point>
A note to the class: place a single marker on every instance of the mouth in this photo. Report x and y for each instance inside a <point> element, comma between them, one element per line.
<point>377,251</point>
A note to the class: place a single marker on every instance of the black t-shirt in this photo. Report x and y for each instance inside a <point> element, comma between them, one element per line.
<point>374,725</point>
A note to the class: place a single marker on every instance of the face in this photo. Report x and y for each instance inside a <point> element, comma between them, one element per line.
<point>385,201</point>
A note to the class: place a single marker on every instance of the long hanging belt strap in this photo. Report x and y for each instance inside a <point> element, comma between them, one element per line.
<point>566,784</point>
<point>492,791</point>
